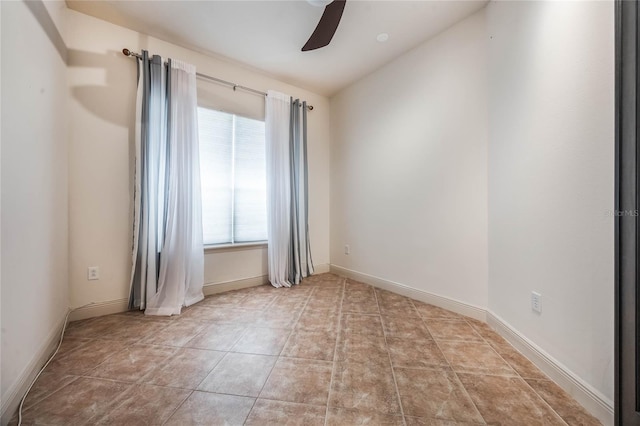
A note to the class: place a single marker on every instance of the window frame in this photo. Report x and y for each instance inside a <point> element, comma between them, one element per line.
<point>233,246</point>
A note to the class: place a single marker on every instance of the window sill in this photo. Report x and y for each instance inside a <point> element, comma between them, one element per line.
<point>234,247</point>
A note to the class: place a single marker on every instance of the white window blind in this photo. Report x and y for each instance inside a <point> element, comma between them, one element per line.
<point>233,178</point>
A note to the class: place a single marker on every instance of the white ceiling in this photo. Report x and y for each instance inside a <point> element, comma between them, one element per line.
<point>268,35</point>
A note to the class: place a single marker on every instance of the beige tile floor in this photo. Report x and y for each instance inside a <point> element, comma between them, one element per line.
<point>327,352</point>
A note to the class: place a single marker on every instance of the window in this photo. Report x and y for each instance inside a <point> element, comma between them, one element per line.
<point>233,178</point>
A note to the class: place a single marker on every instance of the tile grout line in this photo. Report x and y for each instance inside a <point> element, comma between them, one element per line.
<point>451,367</point>
<point>169,359</point>
<point>211,371</point>
<point>486,342</point>
<point>393,373</point>
<point>235,342</point>
<point>240,336</point>
<point>149,384</point>
<point>210,322</point>
<point>134,386</point>
<point>136,341</point>
<point>543,400</point>
<point>65,354</point>
<point>49,395</point>
<point>519,375</point>
<point>335,350</point>
<point>294,325</point>
<point>177,408</point>
<point>280,353</point>
<point>91,370</point>
<point>25,408</point>
<point>119,401</point>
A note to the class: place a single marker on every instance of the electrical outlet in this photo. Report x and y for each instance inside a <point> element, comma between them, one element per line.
<point>93,273</point>
<point>536,302</point>
<point>347,249</point>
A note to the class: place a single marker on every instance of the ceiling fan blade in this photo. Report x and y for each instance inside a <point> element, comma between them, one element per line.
<point>327,26</point>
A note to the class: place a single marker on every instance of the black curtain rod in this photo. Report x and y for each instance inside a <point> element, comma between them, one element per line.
<point>127,52</point>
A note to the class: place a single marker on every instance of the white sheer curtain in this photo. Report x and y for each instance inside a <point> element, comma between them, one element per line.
<point>168,258</point>
<point>277,123</point>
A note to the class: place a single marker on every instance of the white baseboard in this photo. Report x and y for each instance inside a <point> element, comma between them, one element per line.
<point>116,306</point>
<point>11,399</point>
<point>453,305</point>
<point>323,268</point>
<point>108,307</point>
<point>99,309</point>
<point>219,287</point>
<point>591,399</point>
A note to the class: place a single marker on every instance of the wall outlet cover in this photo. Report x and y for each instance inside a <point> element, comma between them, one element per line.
<point>93,273</point>
<point>536,302</point>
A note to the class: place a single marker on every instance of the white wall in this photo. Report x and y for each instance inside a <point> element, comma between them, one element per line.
<point>479,166</point>
<point>34,189</point>
<point>409,169</point>
<point>102,85</point>
<point>551,170</point>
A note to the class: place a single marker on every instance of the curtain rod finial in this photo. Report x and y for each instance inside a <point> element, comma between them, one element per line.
<point>126,52</point>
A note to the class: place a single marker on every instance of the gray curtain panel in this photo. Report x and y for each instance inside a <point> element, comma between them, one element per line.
<point>300,260</point>
<point>168,256</point>
<point>150,179</point>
